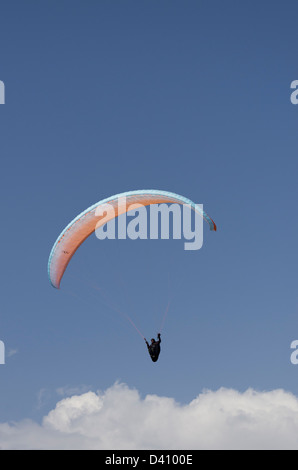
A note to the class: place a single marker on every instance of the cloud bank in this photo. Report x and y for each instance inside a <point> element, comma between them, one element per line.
<point>119,418</point>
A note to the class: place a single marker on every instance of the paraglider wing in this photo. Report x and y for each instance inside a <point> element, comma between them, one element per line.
<point>88,221</point>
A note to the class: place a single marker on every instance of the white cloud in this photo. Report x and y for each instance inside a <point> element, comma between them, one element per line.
<point>68,391</point>
<point>12,352</point>
<point>120,419</point>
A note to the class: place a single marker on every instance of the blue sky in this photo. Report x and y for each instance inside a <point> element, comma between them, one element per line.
<point>191,97</point>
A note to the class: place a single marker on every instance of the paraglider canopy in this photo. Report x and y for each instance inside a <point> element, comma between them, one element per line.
<point>89,220</point>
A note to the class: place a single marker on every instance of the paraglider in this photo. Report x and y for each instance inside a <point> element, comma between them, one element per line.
<point>154,348</point>
<point>96,217</point>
